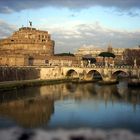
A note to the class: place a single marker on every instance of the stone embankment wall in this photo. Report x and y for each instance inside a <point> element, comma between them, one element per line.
<point>18,73</point>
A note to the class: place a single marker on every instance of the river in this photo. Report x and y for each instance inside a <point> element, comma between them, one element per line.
<point>72,105</point>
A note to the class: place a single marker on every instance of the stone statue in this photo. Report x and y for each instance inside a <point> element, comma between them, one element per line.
<point>106,63</point>
<point>135,63</point>
<point>89,63</point>
<point>82,64</point>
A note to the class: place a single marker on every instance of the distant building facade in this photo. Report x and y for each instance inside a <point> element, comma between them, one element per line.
<point>95,51</point>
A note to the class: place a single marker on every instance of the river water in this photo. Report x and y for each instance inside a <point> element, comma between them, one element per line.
<point>71,105</point>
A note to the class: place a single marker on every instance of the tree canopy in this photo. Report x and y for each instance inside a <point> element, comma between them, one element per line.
<point>107,54</point>
<point>64,54</point>
<point>88,57</point>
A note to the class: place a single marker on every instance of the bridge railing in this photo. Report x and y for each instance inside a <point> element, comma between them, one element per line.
<point>76,65</point>
<point>103,66</point>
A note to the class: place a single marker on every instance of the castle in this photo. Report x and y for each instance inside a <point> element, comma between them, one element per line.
<point>27,46</point>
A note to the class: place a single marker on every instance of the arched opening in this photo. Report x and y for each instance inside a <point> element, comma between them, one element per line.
<point>30,61</point>
<point>72,74</point>
<point>93,74</point>
<point>120,75</point>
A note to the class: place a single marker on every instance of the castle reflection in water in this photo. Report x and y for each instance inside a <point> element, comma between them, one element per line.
<point>33,107</point>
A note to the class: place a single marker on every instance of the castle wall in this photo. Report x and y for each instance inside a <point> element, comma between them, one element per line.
<point>18,73</point>
<point>11,60</point>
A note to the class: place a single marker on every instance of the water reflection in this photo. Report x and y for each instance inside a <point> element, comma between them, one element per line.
<point>39,106</point>
<point>93,91</point>
<point>28,110</point>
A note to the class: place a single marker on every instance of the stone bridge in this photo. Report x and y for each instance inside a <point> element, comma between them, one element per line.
<point>89,73</point>
<point>106,73</point>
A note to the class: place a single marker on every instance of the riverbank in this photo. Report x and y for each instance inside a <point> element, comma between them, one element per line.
<point>107,82</point>
<point>11,85</point>
<point>77,81</point>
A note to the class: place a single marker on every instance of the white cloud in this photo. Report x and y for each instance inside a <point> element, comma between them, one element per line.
<point>91,35</point>
<point>68,40</point>
<point>6,29</point>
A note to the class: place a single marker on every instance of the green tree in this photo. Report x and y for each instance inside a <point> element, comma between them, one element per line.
<point>107,54</point>
<point>92,60</point>
<point>64,54</point>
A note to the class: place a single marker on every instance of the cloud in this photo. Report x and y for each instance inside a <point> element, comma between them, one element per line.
<point>7,6</point>
<point>93,34</point>
<point>69,40</point>
<point>6,29</point>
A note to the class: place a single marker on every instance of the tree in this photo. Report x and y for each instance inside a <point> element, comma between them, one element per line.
<point>89,57</point>
<point>92,60</point>
<point>64,54</point>
<point>107,54</point>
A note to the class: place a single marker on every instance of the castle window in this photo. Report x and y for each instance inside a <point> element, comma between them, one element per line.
<point>46,61</point>
<point>43,40</point>
<point>12,40</point>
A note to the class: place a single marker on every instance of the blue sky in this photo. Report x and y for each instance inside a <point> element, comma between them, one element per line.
<point>74,23</point>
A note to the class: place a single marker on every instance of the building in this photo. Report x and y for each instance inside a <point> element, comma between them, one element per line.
<point>95,51</point>
<point>118,52</point>
<point>27,46</point>
<point>89,50</point>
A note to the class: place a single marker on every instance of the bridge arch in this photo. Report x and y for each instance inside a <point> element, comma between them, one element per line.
<point>120,73</point>
<point>93,74</point>
<point>72,73</point>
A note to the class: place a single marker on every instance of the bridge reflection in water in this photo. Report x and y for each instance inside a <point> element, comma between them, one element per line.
<point>71,105</point>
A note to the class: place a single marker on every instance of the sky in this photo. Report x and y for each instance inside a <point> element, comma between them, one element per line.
<point>76,23</point>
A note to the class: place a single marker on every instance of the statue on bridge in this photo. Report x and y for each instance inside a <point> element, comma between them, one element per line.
<point>89,63</point>
<point>82,64</point>
<point>106,62</point>
<point>135,63</point>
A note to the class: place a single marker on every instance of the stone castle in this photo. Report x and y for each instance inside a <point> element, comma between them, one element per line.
<point>27,46</point>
